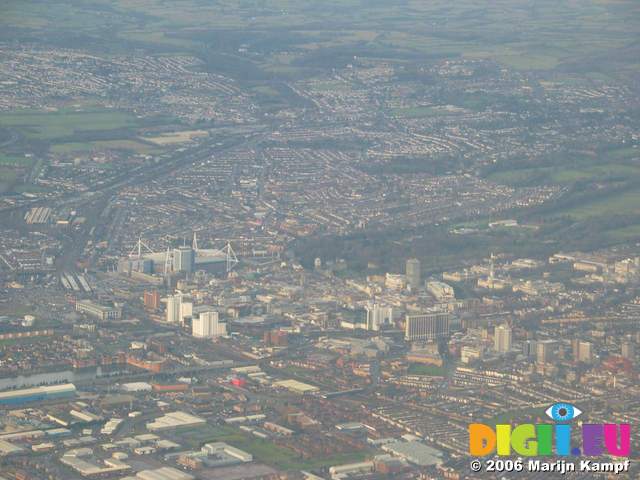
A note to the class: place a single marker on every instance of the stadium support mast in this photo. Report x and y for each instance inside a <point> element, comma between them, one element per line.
<point>168,262</point>
<point>138,247</point>
<point>232,260</point>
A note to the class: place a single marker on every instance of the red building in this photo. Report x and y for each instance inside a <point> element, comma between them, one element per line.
<point>276,338</point>
<point>152,300</point>
<point>238,382</point>
<point>616,364</point>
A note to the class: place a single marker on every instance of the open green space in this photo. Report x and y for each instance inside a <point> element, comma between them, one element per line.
<point>158,37</point>
<point>39,15</point>
<point>8,177</point>
<point>625,203</point>
<point>415,112</point>
<point>129,145</point>
<point>44,129</point>
<point>266,90</point>
<point>631,232</point>
<point>271,454</point>
<point>29,188</point>
<point>531,61</point>
<point>265,451</point>
<point>590,35</point>
<point>195,437</point>
<point>16,161</point>
<point>427,370</point>
<point>65,123</point>
<point>563,175</point>
<point>624,153</point>
<point>15,310</point>
<point>600,186</point>
<point>12,169</point>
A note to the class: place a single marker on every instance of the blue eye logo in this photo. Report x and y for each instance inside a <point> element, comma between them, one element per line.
<point>563,412</point>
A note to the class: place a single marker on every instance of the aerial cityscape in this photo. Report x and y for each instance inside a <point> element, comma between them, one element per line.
<point>319,240</point>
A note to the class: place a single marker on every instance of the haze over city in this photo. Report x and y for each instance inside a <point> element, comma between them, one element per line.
<point>303,240</point>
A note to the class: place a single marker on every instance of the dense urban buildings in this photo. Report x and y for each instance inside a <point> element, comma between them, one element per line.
<point>310,240</point>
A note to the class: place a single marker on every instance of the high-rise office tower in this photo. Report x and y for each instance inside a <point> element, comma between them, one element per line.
<point>529,348</point>
<point>585,351</point>
<point>186,307</point>
<point>208,325</point>
<point>629,349</point>
<point>545,351</point>
<point>502,339</point>
<point>377,316</point>
<point>582,350</point>
<point>184,259</point>
<point>174,308</point>
<point>413,274</point>
<point>427,326</point>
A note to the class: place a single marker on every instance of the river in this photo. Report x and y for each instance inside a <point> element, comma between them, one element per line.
<point>50,378</point>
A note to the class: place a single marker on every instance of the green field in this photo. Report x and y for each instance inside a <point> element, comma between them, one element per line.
<point>415,112</point>
<point>540,35</point>
<point>157,37</point>
<point>601,187</point>
<point>564,175</point>
<point>607,185</point>
<point>12,169</point>
<point>16,310</point>
<point>16,162</point>
<point>428,370</point>
<point>65,123</point>
<point>531,61</point>
<point>265,451</point>
<point>194,438</point>
<point>8,177</point>
<point>29,188</point>
<point>266,90</point>
<point>624,153</point>
<point>128,145</point>
<point>623,234</point>
<point>44,129</point>
<point>626,203</point>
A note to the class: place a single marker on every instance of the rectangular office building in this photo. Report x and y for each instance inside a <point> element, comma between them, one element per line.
<point>427,326</point>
